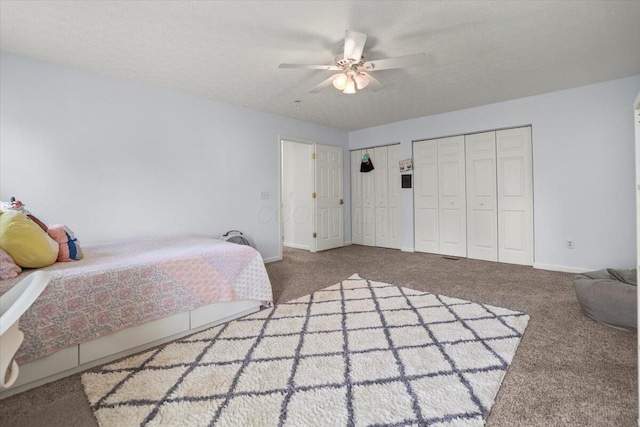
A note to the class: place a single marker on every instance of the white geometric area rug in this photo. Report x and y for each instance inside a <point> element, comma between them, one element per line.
<point>356,353</point>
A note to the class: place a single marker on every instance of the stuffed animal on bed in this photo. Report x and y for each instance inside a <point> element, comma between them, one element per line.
<point>69,246</point>
<point>17,205</point>
<point>16,232</point>
<point>27,244</point>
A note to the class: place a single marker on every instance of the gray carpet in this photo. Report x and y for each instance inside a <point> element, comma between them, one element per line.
<point>568,370</point>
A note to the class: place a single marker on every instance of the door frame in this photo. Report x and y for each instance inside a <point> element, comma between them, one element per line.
<point>636,119</point>
<point>281,140</point>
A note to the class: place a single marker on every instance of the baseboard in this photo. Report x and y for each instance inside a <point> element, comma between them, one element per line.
<point>296,246</point>
<point>403,249</point>
<point>347,244</point>
<point>272,259</point>
<point>560,268</point>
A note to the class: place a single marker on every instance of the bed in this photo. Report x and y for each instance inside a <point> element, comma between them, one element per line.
<point>126,296</point>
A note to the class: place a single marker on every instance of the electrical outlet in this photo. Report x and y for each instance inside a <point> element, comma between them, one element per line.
<point>570,244</point>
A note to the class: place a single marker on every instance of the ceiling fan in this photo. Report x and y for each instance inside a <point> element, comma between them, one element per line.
<point>354,71</point>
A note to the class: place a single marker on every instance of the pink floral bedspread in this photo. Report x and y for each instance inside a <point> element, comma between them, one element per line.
<point>124,284</point>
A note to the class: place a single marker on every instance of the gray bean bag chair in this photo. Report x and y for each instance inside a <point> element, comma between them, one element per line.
<point>609,297</point>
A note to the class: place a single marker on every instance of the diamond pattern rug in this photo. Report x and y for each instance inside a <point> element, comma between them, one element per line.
<point>356,353</point>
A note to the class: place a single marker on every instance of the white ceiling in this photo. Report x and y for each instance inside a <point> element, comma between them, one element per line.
<point>477,52</point>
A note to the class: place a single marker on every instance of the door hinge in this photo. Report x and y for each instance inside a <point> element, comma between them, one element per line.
<point>314,195</point>
<point>315,235</point>
<point>313,156</point>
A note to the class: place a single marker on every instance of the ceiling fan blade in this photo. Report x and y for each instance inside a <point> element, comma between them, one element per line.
<point>354,45</point>
<point>311,67</point>
<point>323,84</point>
<point>374,85</point>
<point>397,62</point>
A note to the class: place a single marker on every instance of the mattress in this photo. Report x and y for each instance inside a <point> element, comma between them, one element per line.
<point>123,284</point>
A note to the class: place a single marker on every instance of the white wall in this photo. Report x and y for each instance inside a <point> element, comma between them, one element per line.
<point>297,186</point>
<point>114,159</point>
<point>583,166</point>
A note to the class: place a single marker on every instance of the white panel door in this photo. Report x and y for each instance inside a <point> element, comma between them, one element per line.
<point>368,205</point>
<point>452,221</point>
<point>329,198</point>
<point>482,202</point>
<point>395,196</point>
<point>356,198</point>
<point>425,195</point>
<point>515,196</point>
<point>381,177</point>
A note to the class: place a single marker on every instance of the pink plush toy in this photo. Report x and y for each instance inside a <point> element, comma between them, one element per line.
<point>69,246</point>
<point>17,204</point>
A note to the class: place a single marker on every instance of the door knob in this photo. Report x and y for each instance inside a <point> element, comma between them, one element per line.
<point>451,203</point>
<point>481,204</point>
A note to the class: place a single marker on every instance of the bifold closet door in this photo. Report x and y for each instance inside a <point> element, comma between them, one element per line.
<point>515,196</point>
<point>395,196</point>
<point>425,196</point>
<point>482,204</point>
<point>356,198</point>
<point>368,205</point>
<point>381,177</point>
<point>452,221</point>
<point>376,205</point>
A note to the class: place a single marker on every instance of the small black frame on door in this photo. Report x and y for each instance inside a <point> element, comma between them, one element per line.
<point>406,181</point>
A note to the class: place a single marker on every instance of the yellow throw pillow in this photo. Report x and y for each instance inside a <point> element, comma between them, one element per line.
<point>25,242</point>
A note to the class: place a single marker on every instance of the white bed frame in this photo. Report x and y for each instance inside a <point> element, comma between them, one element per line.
<point>125,342</point>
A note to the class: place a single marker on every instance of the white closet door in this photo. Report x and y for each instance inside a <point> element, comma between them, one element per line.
<point>425,194</point>
<point>381,176</point>
<point>452,200</point>
<point>356,198</point>
<point>395,197</point>
<point>482,204</point>
<point>368,205</point>
<point>515,196</point>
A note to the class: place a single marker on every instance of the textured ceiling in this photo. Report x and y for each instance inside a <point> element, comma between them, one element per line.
<point>477,52</point>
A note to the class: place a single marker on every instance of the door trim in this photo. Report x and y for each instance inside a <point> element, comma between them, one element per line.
<point>281,139</point>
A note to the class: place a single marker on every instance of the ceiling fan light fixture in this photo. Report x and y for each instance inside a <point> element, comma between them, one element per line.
<point>350,87</point>
<point>353,71</point>
<point>340,82</point>
<point>361,80</point>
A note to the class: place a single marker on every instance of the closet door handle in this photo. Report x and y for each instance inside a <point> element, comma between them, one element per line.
<point>451,203</point>
<point>481,204</point>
